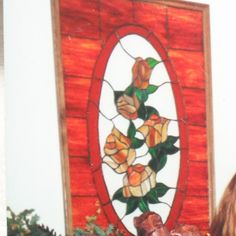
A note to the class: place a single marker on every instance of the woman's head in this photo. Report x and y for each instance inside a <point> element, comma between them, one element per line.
<point>224,222</point>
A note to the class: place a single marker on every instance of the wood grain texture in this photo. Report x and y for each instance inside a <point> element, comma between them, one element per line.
<point>83,207</point>
<point>80,18</point>
<point>195,105</point>
<point>146,15</point>
<point>75,89</point>
<point>197,184</point>
<point>81,176</point>
<point>185,29</point>
<point>189,67</point>
<point>197,143</point>
<point>79,56</point>
<point>196,214</point>
<point>77,136</point>
<point>114,14</point>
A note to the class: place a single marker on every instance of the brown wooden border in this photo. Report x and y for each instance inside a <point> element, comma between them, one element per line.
<point>61,103</point>
<point>61,117</point>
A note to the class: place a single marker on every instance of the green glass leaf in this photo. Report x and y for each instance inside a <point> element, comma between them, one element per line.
<point>143,205</point>
<point>172,139</point>
<point>153,163</point>
<point>137,143</point>
<point>161,189</point>
<point>131,130</point>
<point>117,94</point>
<point>151,89</point>
<point>150,111</point>
<point>172,150</point>
<point>152,62</point>
<point>142,112</point>
<point>157,163</point>
<point>152,151</point>
<point>132,205</point>
<point>129,90</point>
<point>161,162</point>
<point>118,195</point>
<point>152,196</point>
<point>141,94</point>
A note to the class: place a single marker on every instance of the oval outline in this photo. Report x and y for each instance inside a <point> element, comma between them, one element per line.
<point>93,114</point>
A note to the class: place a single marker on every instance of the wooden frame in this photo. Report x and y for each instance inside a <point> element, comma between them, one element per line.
<point>72,79</point>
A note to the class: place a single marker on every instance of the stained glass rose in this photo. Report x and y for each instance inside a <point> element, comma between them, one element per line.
<point>127,106</point>
<point>155,130</point>
<point>119,155</point>
<point>138,181</point>
<point>141,73</point>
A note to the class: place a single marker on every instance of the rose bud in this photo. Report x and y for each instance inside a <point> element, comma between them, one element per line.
<point>127,106</point>
<point>138,181</point>
<point>141,73</point>
<point>154,130</point>
<point>119,155</point>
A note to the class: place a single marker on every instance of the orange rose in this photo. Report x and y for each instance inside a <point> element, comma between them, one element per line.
<point>119,155</point>
<point>138,181</point>
<point>127,106</point>
<point>141,73</point>
<point>155,130</point>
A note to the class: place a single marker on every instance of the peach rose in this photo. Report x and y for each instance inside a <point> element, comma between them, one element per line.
<point>155,130</point>
<point>128,106</point>
<point>138,181</point>
<point>141,73</point>
<point>119,155</point>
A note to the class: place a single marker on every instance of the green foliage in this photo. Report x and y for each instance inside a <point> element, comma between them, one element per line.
<point>152,62</point>
<point>143,205</point>
<point>26,224</point>
<point>137,143</point>
<point>159,154</point>
<point>131,130</point>
<point>94,229</point>
<point>132,205</point>
<point>141,94</point>
<point>117,94</point>
<point>130,90</point>
<point>144,112</point>
<point>151,89</point>
<point>118,195</point>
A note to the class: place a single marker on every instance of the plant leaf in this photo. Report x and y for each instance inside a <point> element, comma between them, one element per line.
<point>132,205</point>
<point>152,62</point>
<point>161,189</point>
<point>142,112</point>
<point>117,94</point>
<point>137,143</point>
<point>152,196</point>
<point>118,195</point>
<point>150,111</point>
<point>172,139</point>
<point>131,130</point>
<point>129,90</point>
<point>143,205</point>
<point>172,150</point>
<point>157,163</point>
<point>98,231</point>
<point>141,94</point>
<point>152,89</point>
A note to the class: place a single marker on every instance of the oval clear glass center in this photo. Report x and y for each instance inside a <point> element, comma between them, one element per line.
<point>117,78</point>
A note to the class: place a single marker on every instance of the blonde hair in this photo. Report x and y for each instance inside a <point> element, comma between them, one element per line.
<point>224,222</point>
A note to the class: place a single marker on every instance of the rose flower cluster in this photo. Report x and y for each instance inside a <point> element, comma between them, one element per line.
<point>139,181</point>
